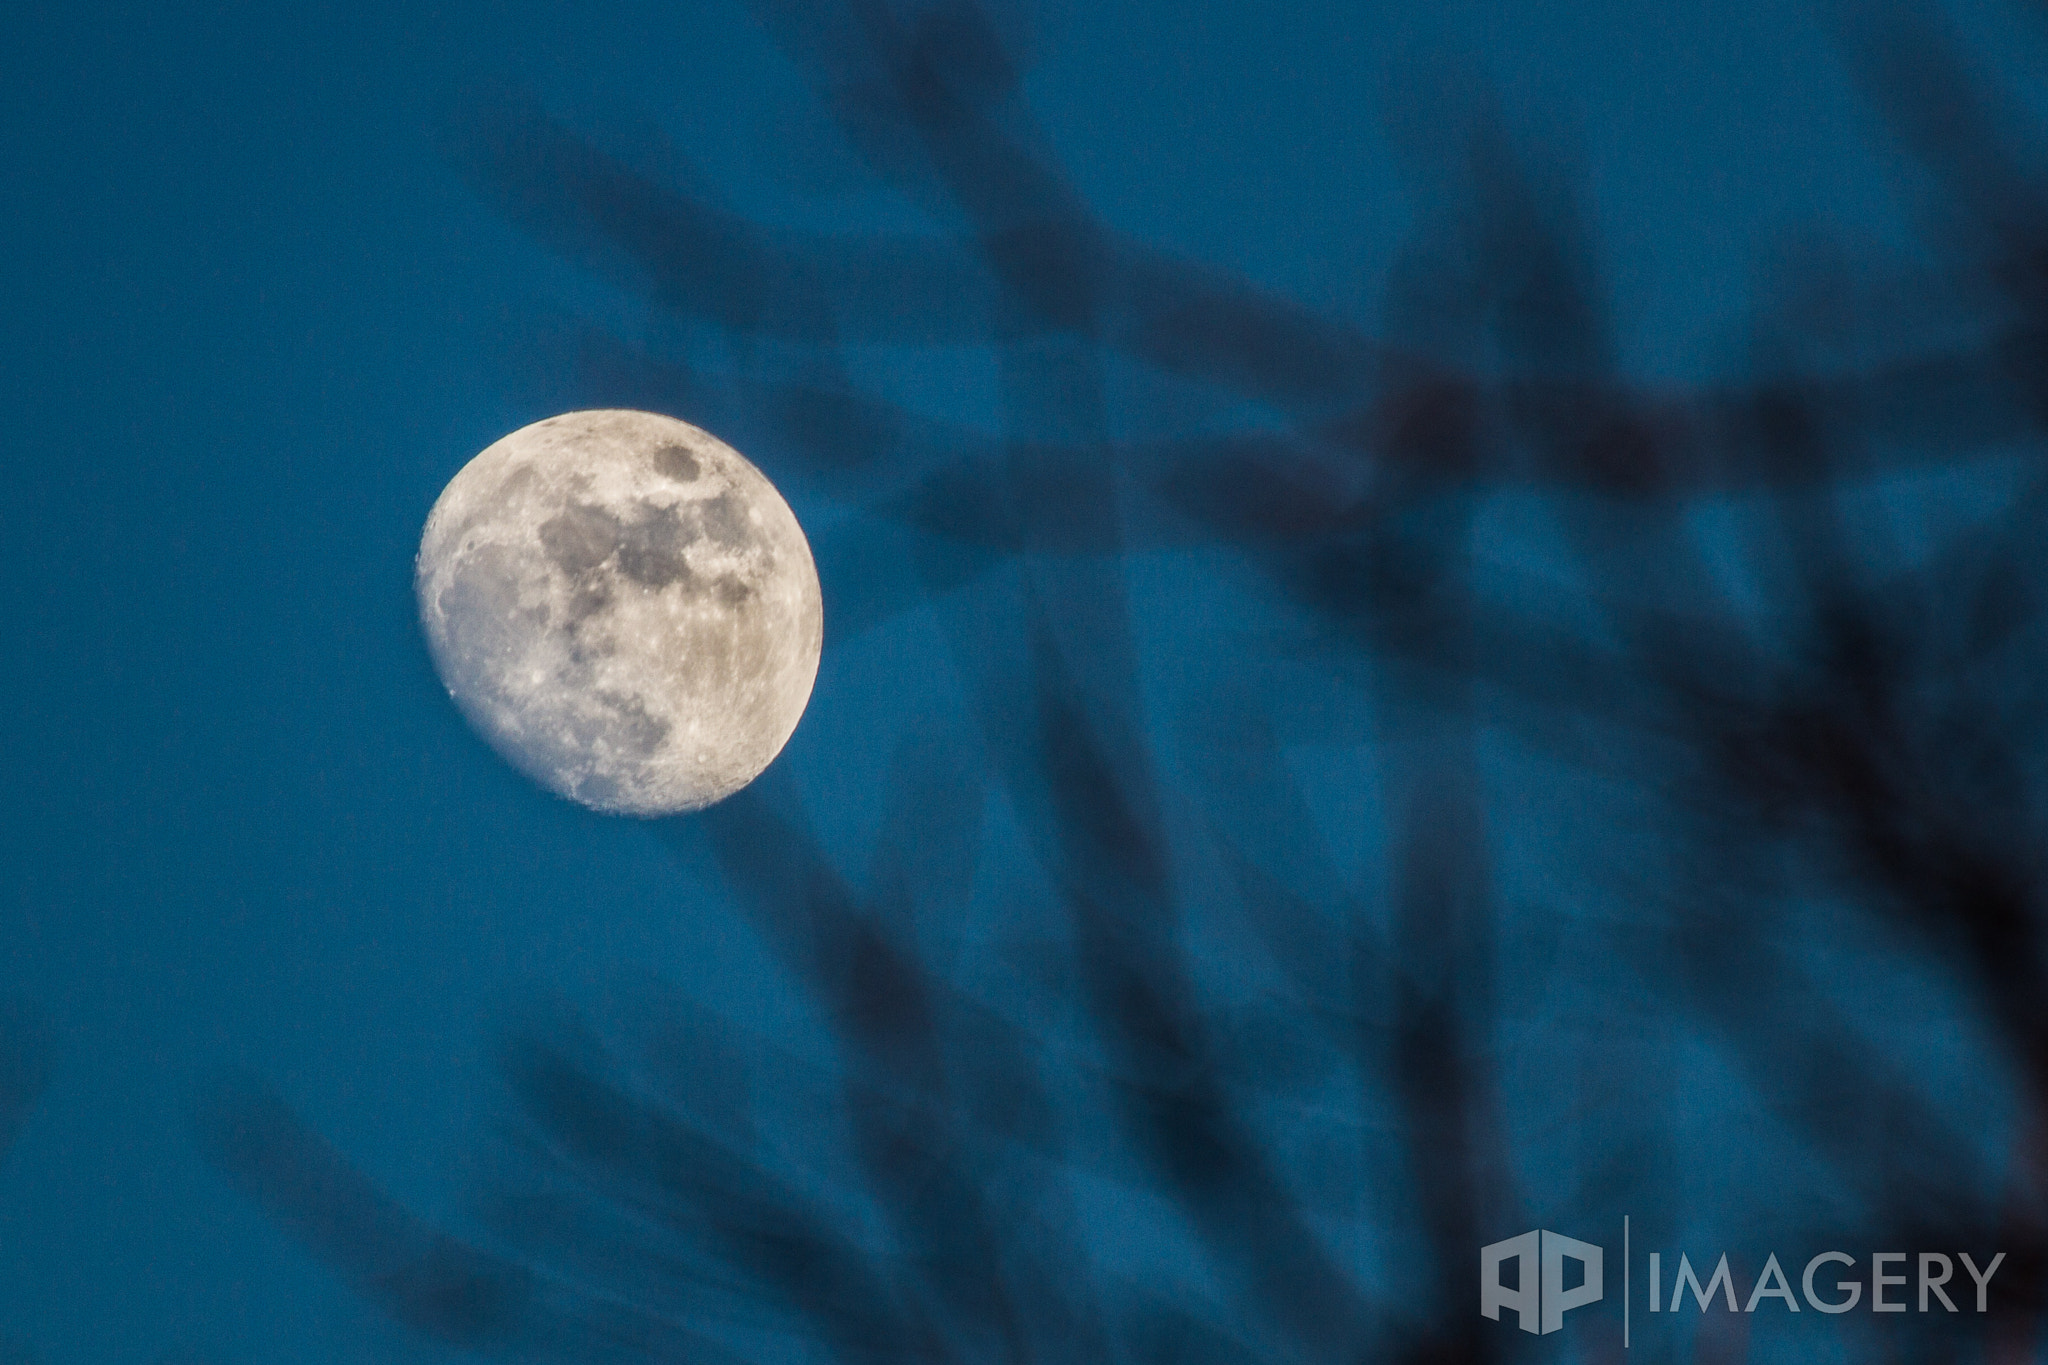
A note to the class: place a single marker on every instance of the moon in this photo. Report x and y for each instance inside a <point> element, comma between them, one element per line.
<point>624,607</point>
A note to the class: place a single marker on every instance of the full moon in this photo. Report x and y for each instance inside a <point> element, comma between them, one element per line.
<point>625,607</point>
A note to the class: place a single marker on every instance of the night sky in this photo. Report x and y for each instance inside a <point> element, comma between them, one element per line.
<point>1346,772</point>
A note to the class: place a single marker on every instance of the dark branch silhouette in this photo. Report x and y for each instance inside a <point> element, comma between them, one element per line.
<point>1213,1093</point>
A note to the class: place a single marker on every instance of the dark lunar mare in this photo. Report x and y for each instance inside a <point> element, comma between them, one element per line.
<point>650,546</point>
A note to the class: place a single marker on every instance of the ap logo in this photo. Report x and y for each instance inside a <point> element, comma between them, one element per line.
<point>1538,1295</point>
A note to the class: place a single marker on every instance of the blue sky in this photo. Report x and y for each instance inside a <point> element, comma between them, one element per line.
<point>257,319</point>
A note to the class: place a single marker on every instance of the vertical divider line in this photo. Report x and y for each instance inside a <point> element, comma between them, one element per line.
<point>1624,1282</point>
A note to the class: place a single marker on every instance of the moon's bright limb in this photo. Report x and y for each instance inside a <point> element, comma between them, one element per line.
<point>625,607</point>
